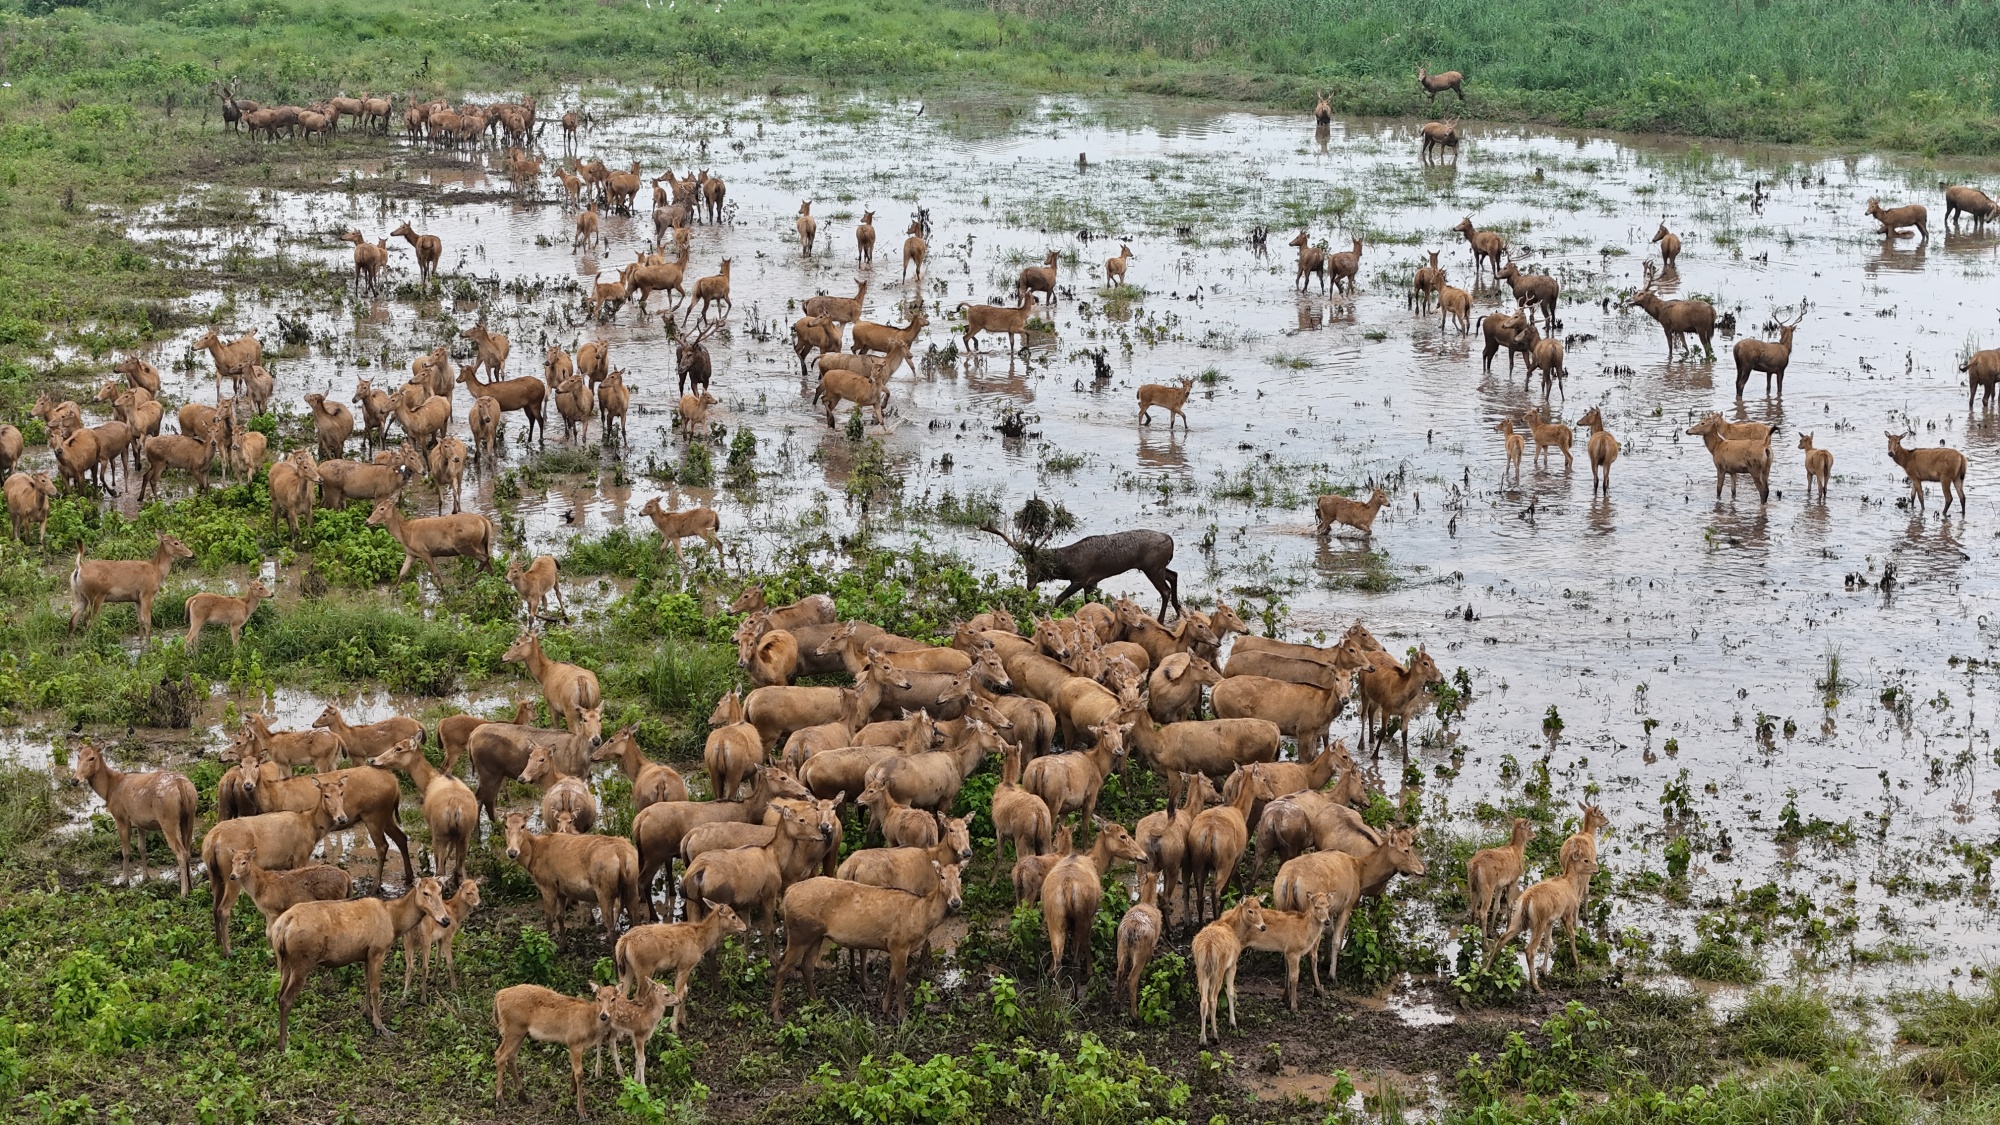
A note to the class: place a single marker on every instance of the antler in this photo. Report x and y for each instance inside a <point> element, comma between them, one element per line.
<point>1004,537</point>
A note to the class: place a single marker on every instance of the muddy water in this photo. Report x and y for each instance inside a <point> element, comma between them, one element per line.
<point>1659,602</point>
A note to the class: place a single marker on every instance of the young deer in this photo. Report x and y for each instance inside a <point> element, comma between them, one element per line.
<point>1548,435</point>
<point>1602,449</point>
<point>1819,467</point>
<point>221,609</point>
<point>1218,948</point>
<point>428,935</point>
<point>92,583</point>
<point>1292,934</point>
<point>1357,514</point>
<point>274,892</point>
<point>1168,398</point>
<point>1114,268</point>
<point>701,522</point>
<point>645,952</point>
<point>1538,910</point>
<point>162,802</point>
<point>1435,84</point>
<point>1493,875</point>
<point>1138,936</point>
<point>1516,445</point>
<point>1670,245</point>
<point>529,1011</point>
<point>1312,260</point>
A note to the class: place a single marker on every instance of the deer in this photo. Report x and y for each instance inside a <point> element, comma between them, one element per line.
<point>529,1011</point>
<point>1139,933</point>
<point>273,892</point>
<point>1428,283</point>
<point>447,466</point>
<point>563,795</point>
<point>233,109</point>
<point>232,359</point>
<point>1678,319</point>
<point>427,247</point>
<point>221,609</point>
<point>369,259</point>
<point>1735,457</point>
<point>139,374</point>
<point>1344,877</point>
<point>1388,689</point>
<point>163,802</point>
<point>567,868</point>
<point>569,689</point>
<point>1038,279</point>
<point>1323,111</point>
<point>646,951</point>
<point>712,290</point>
<point>1531,291</point>
<point>1968,201</point>
<point>1456,304</point>
<point>1819,467</point>
<point>1494,874</point>
<point>1894,219</point>
<point>1114,268</point>
<point>1516,445</point>
<point>1438,136</point>
<point>95,582</point>
<point>1218,948</point>
<point>492,348</point>
<point>526,394</point>
<point>317,747</point>
<point>1312,261</point>
<point>807,227</point>
<point>333,424</point>
<point>651,781</point>
<point>702,522</point>
<point>1669,244</point>
<point>872,337</point>
<point>1357,514</point>
<point>1073,890</point>
<point>1767,356</point>
<point>284,840</point>
<point>430,538</point>
<point>1435,84</point>
<point>861,917</point>
<point>840,310</point>
<point>1169,398</point>
<point>915,249</point>
<point>1548,434</point>
<point>312,934</point>
<point>1216,840</point>
<point>1602,450</point>
<point>429,936</point>
<point>450,810</point>
<point>1538,910</point>
<point>535,582</point>
<point>1582,844</point>
<point>1090,560</point>
<point>1000,319</point>
<point>1487,246</point>
<point>28,496</point>
<point>1943,465</point>
<point>864,238</point>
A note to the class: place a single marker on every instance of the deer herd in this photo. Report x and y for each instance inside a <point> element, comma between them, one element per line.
<point>832,814</point>
<point>838,815</point>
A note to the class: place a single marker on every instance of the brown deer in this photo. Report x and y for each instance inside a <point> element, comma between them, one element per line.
<point>567,868</point>
<point>860,917</point>
<point>1073,890</point>
<point>1548,434</point>
<point>1218,949</point>
<point>1427,284</point>
<point>28,496</point>
<point>1435,84</point>
<point>221,609</point>
<point>369,259</point>
<point>1139,935</point>
<point>450,811</point>
<point>1945,466</point>
<point>428,249</point>
<point>570,689</point>
<point>864,238</point>
<point>1678,319</point>
<point>526,394</point>
<point>1819,467</point>
<point>1767,356</point>
<point>535,582</point>
<point>1894,219</point>
<point>1968,201</point>
<point>94,582</point>
<point>702,522</point>
<point>1487,246</point>
<point>1735,457</point>
<point>430,538</point>
<point>1532,291</point>
<point>915,249</point>
<point>1168,398</point>
<point>1312,260</point>
<point>808,228</point>
<point>492,348</point>
<point>1494,874</point>
<point>332,934</point>
<point>1670,245</point>
<point>1323,112</point>
<point>1602,450</point>
<point>1343,266</point>
<point>1439,136</point>
<point>429,936</point>
<point>997,318</point>
<point>1114,268</point>
<point>1390,690</point>
<point>1357,514</point>
<point>646,951</point>
<point>529,1011</point>
<point>1538,910</point>
<point>333,424</point>
<point>712,290</point>
<point>1516,444</point>
<point>1038,279</point>
<point>163,802</point>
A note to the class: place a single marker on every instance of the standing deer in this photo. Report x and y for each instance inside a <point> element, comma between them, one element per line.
<point>1487,246</point>
<point>1769,357</point>
<point>1089,561</point>
<point>1435,84</point>
<point>1670,245</point>
<point>1312,260</point>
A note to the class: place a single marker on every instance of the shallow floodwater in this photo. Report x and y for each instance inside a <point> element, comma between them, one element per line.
<point>1657,602</point>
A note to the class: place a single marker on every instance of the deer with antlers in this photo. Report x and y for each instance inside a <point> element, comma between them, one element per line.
<point>1770,357</point>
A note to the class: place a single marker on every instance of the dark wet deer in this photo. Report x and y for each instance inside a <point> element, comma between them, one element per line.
<point>1089,561</point>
